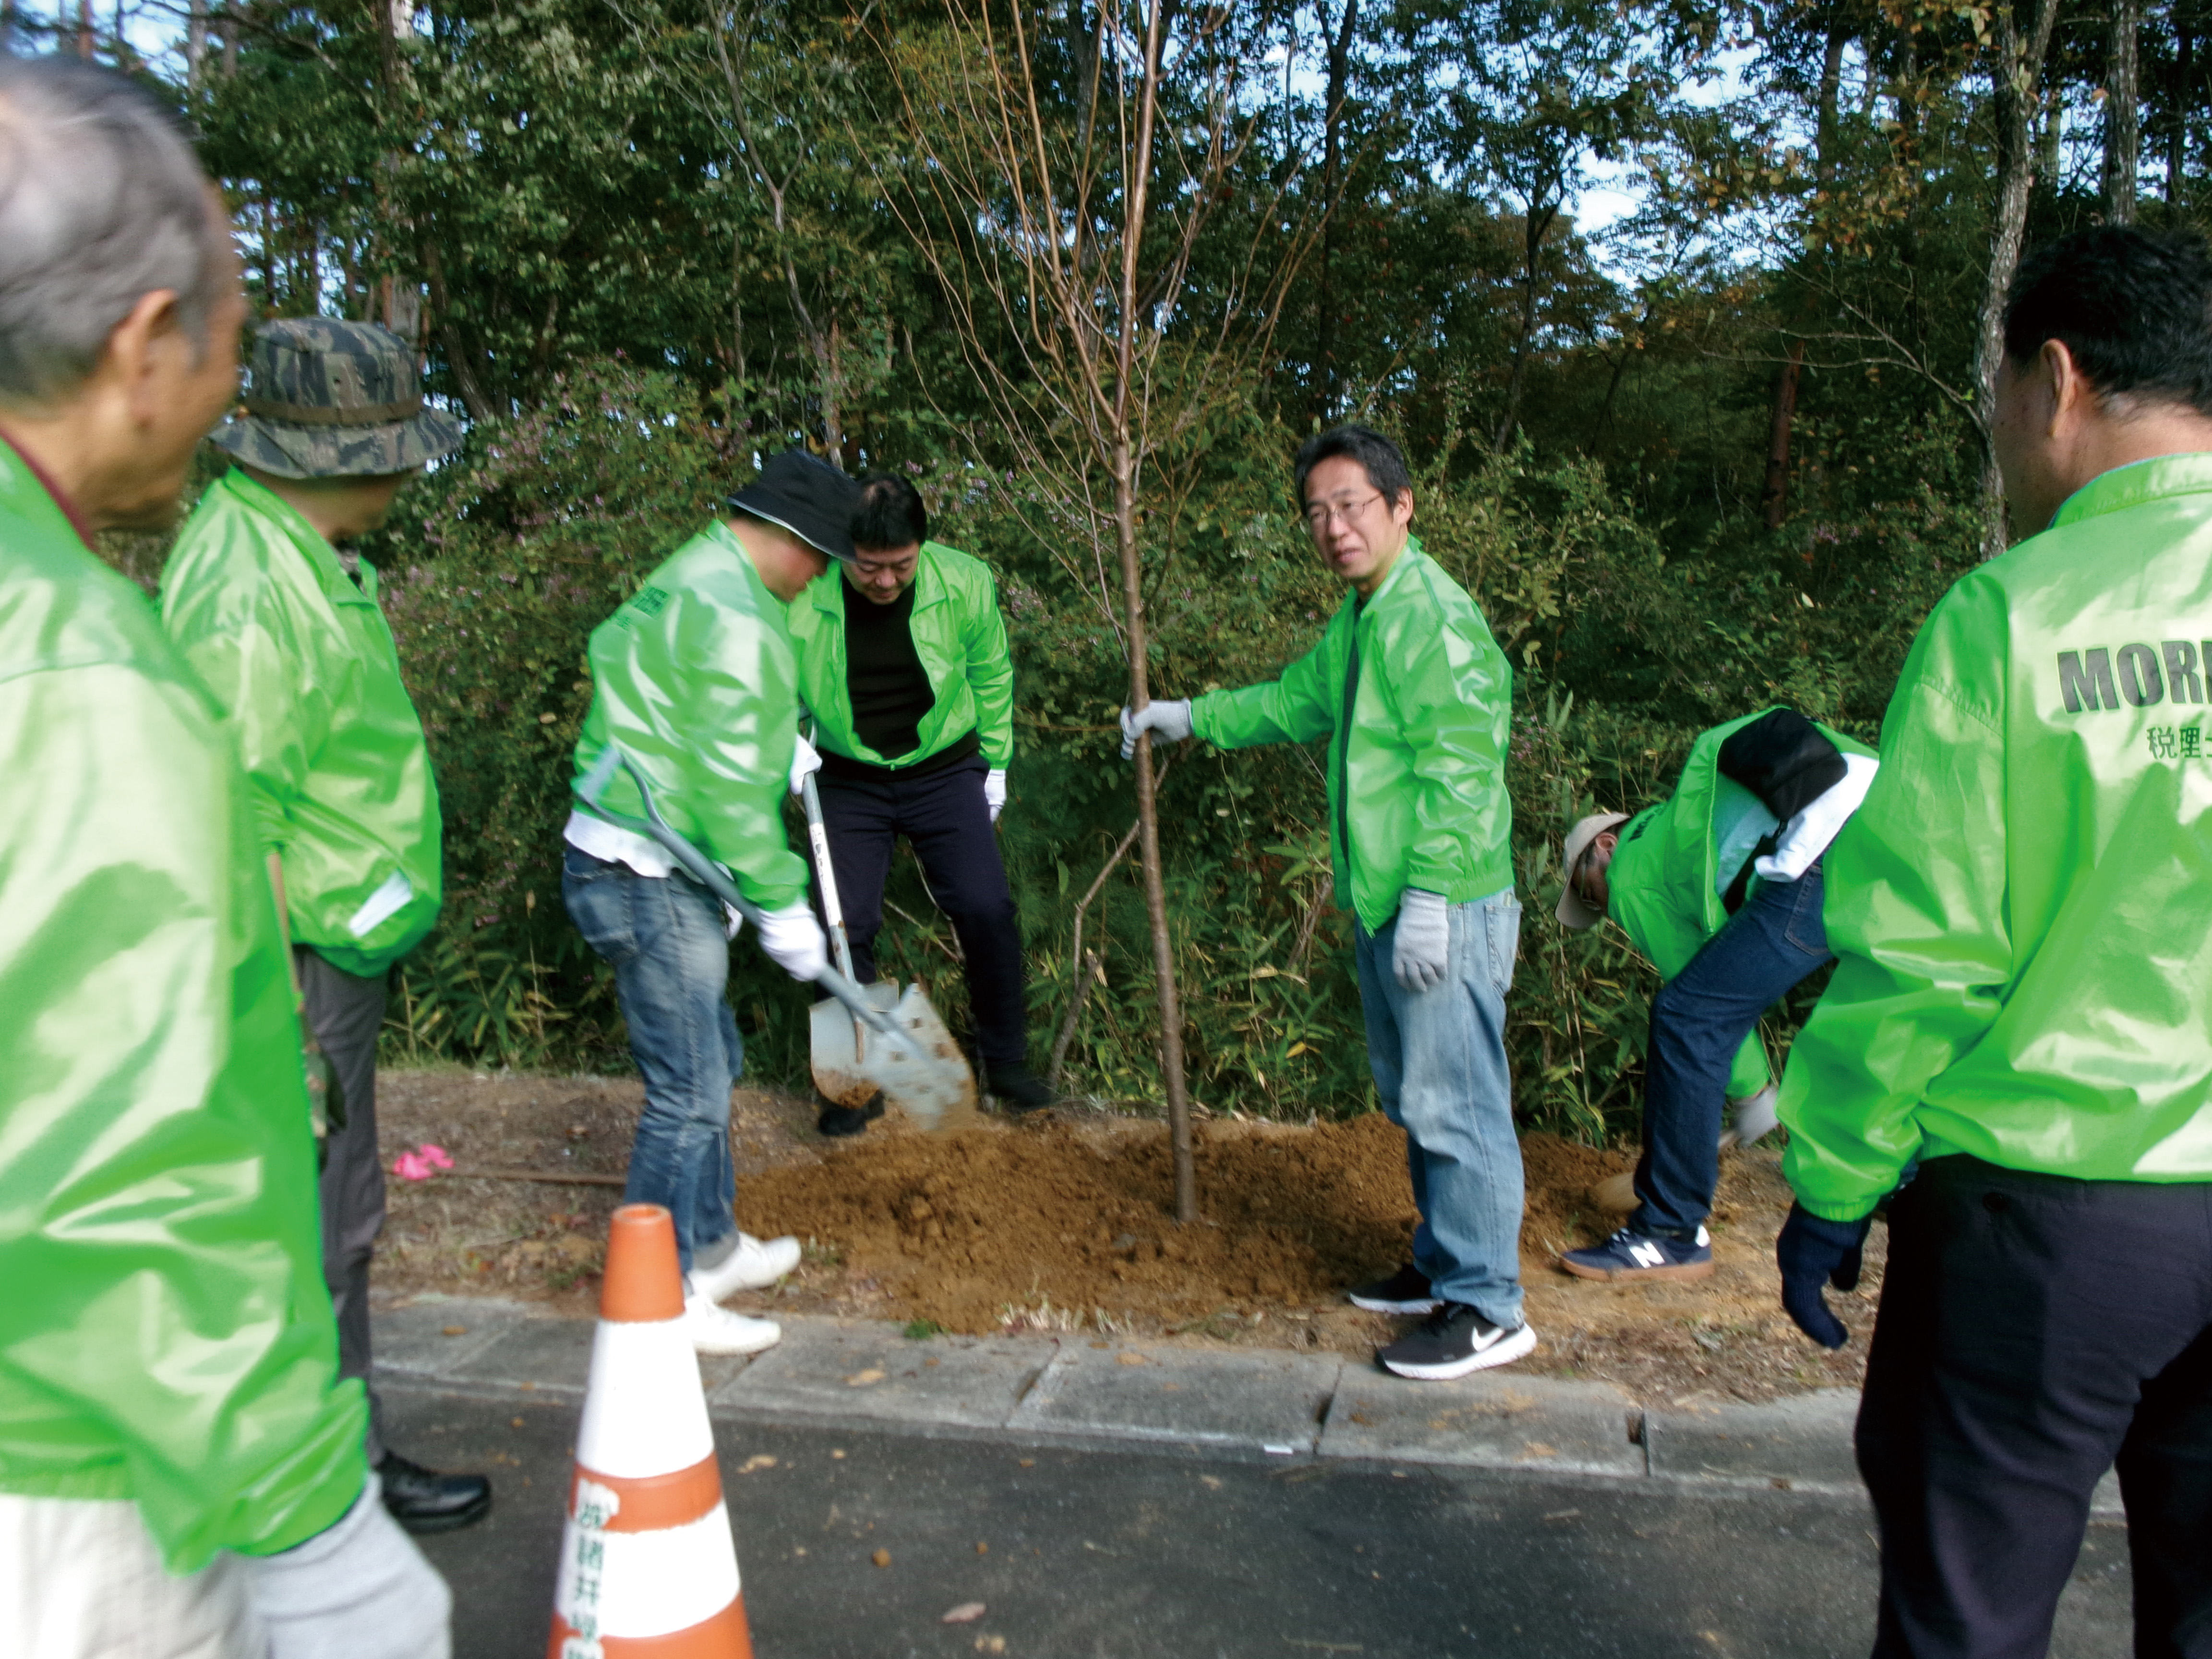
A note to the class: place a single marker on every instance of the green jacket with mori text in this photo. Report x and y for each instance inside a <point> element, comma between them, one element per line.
<point>1416,740</point>
<point>165,1334</point>
<point>2020,911</point>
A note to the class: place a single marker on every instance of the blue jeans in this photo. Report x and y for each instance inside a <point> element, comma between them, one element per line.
<point>1438,1058</point>
<point>1698,1020</point>
<point>664,937</point>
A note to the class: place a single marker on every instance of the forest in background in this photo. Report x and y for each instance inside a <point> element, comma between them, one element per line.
<point>1089,273</point>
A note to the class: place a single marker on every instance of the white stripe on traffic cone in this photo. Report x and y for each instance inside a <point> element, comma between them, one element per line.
<point>647,1564</point>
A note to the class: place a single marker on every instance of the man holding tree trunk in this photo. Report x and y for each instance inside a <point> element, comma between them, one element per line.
<point>1416,700</point>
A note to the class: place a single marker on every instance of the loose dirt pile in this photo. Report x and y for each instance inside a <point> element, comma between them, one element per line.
<point>983,1229</point>
<point>1069,1226</point>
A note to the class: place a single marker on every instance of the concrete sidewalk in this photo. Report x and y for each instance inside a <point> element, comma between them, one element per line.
<point>1082,1391</point>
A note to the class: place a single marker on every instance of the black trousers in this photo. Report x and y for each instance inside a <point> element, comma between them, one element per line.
<point>944,819</point>
<point>345,1012</point>
<point>2035,1330</point>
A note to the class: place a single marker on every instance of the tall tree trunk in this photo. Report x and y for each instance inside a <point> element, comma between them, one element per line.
<point>196,31</point>
<point>1774,498</point>
<point>84,29</point>
<point>2023,42</point>
<point>1122,462</point>
<point>1340,75</point>
<point>1534,226</point>
<point>2122,114</point>
<point>1083,62</point>
<point>2178,105</point>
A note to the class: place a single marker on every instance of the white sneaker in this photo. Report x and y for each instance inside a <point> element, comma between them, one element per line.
<point>753,1264</point>
<point>717,1330</point>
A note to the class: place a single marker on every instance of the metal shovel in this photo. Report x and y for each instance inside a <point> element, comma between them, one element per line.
<point>848,1058</point>
<point>909,1056</point>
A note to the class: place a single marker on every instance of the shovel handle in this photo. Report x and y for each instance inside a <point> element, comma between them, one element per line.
<point>709,875</point>
<point>833,912</point>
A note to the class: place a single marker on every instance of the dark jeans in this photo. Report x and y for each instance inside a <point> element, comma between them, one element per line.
<point>1698,1020</point>
<point>663,935</point>
<point>944,819</point>
<point>346,1011</point>
<point>2033,1331</point>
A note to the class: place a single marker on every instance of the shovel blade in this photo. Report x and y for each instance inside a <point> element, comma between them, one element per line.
<point>936,1091</point>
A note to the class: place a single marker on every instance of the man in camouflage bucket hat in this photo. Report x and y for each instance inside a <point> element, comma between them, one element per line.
<point>267,599</point>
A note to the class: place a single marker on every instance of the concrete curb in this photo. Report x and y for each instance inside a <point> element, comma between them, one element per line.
<point>1079,1391</point>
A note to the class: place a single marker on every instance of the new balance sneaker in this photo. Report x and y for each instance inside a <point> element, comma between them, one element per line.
<point>1406,1292</point>
<point>717,1330</point>
<point>1453,1340</point>
<point>1631,1254</point>
<point>755,1263</point>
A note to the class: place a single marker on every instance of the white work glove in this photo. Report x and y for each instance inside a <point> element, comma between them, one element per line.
<point>1756,1117</point>
<point>804,759</point>
<point>1168,722</point>
<point>795,941</point>
<point>994,791</point>
<point>1424,940</point>
<point>734,921</point>
<point>360,1590</point>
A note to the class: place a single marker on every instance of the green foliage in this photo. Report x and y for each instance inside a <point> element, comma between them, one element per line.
<point>502,562</point>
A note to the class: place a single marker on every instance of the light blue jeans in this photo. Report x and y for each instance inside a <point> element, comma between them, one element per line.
<point>662,936</point>
<point>1438,1058</point>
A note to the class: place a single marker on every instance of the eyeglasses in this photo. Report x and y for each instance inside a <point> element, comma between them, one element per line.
<point>1322,514</point>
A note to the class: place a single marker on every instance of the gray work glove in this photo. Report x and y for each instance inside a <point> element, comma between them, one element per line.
<point>359,1590</point>
<point>1755,1116</point>
<point>1424,940</point>
<point>1168,722</point>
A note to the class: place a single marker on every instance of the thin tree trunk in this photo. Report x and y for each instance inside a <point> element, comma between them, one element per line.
<point>2023,41</point>
<point>196,37</point>
<point>2122,114</point>
<point>84,29</point>
<point>1340,72</point>
<point>1122,463</point>
<point>1774,498</point>
<point>2177,107</point>
<point>1534,226</point>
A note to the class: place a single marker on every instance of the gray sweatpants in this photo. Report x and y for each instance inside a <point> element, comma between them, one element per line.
<point>346,1011</point>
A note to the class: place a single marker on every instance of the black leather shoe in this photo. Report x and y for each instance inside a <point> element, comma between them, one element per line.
<point>423,1501</point>
<point>839,1120</point>
<point>1018,1089</point>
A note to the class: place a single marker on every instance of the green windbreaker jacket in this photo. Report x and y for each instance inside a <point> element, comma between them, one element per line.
<point>1417,747</point>
<point>1664,884</point>
<point>958,634</point>
<point>2020,910</point>
<point>693,677</point>
<point>302,661</point>
<point>164,1335</point>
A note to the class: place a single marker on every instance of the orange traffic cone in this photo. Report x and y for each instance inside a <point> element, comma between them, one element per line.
<point>647,1564</point>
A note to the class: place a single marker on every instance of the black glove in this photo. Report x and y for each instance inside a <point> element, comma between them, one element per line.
<point>1811,1251</point>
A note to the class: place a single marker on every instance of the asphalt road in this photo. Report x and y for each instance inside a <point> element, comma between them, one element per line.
<point>1084,1554</point>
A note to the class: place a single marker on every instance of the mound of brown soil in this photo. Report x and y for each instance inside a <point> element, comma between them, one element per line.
<point>980,1229</point>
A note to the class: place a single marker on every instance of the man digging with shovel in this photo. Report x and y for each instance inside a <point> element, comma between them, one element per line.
<point>694,684</point>
<point>1415,698</point>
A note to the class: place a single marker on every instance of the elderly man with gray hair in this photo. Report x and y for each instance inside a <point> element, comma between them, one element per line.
<point>181,1469</point>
